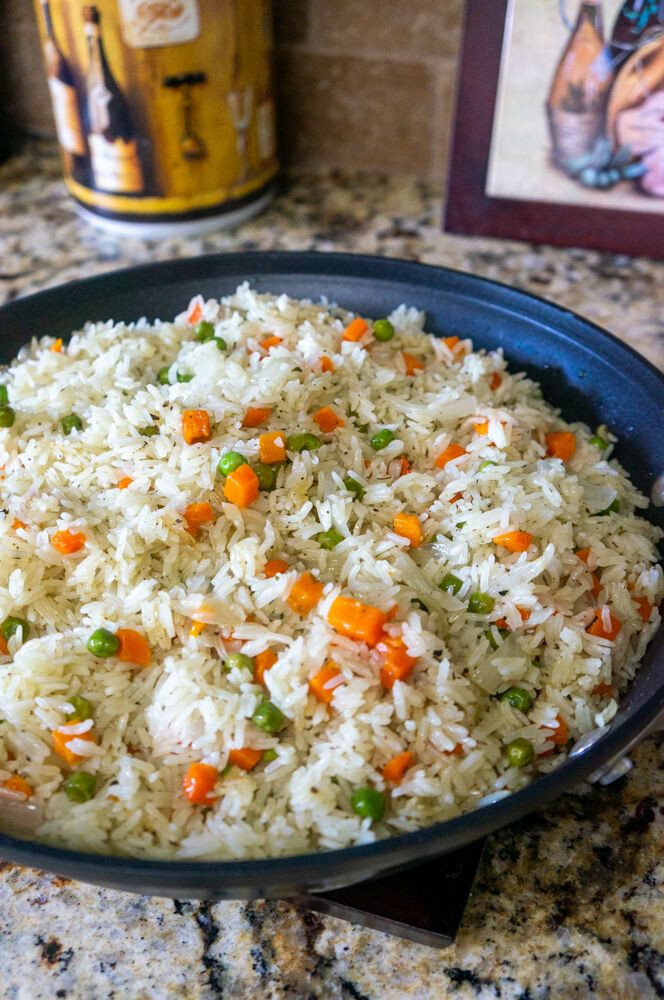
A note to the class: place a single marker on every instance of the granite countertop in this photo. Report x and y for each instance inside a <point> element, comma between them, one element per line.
<point>569,903</point>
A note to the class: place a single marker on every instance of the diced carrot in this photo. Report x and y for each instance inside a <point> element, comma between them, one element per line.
<point>451,452</point>
<point>495,380</point>
<point>412,363</point>
<point>398,664</point>
<point>273,567</point>
<point>17,523</point>
<point>561,444</point>
<point>355,620</point>
<point>456,751</point>
<point>198,784</point>
<point>597,627</point>
<point>66,542</point>
<point>305,594</point>
<point>244,757</point>
<point>197,628</point>
<point>482,427</point>
<point>56,346</point>
<point>18,784</point>
<point>62,740</point>
<point>355,329</point>
<point>515,541</point>
<point>256,415</point>
<point>644,607</point>
<point>196,515</point>
<point>604,690</point>
<point>241,486</point>
<point>452,342</point>
<point>196,426</point>
<point>560,735</point>
<point>456,497</point>
<point>392,612</point>
<point>405,466</point>
<point>326,364</point>
<point>395,769</point>
<point>583,555</point>
<point>194,314</point>
<point>318,683</point>
<point>502,622</point>
<point>134,648</point>
<point>4,648</point>
<point>125,482</point>
<point>272,447</point>
<point>596,585</point>
<point>409,526</point>
<point>328,420</point>
<point>272,341</point>
<point>264,661</point>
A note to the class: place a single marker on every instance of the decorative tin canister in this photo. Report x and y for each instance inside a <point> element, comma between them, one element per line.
<point>164,109</point>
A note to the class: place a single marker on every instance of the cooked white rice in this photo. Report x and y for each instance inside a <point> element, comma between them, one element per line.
<point>141,569</point>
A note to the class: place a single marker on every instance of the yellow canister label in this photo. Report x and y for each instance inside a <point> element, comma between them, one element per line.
<point>162,107</point>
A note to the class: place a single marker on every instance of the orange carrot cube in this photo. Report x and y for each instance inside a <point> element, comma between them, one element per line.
<point>264,661</point>
<point>256,415</point>
<point>395,769</point>
<point>67,542</point>
<point>320,684</point>
<point>561,444</point>
<point>355,329</point>
<point>356,620</point>
<point>272,447</point>
<point>198,784</point>
<point>305,594</point>
<point>245,758</point>
<point>515,541</point>
<point>328,420</point>
<point>451,452</point>
<point>409,526</point>
<point>196,426</point>
<point>134,648</point>
<point>242,486</point>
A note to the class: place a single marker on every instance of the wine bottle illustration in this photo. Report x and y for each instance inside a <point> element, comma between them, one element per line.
<point>635,23</point>
<point>68,121</point>
<point>580,87</point>
<point>192,146</point>
<point>116,166</point>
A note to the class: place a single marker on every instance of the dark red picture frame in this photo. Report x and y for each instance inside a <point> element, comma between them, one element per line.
<point>470,210</point>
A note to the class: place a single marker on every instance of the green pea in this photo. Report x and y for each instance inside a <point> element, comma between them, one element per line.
<point>354,487</point>
<point>148,432</point>
<point>4,395</point>
<point>485,465</point>
<point>181,377</point>
<point>267,476</point>
<point>162,375</point>
<point>80,787</point>
<point>81,708</point>
<point>382,439</point>
<point>268,717</point>
<point>239,661</point>
<point>383,330</point>
<point>598,442</point>
<point>221,343</point>
<point>329,539</point>
<point>303,442</point>
<point>11,625</point>
<point>269,755</point>
<point>451,583</point>
<point>103,643</point>
<point>613,508</point>
<point>204,331</point>
<point>229,462</point>
<point>520,752</point>
<point>368,803</point>
<point>7,416</point>
<point>517,698</point>
<point>490,636</point>
<point>481,604</point>
<point>72,422</point>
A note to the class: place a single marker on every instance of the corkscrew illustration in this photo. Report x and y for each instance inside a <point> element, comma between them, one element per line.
<point>192,146</point>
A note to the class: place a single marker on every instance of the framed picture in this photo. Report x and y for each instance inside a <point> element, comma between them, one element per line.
<point>559,131</point>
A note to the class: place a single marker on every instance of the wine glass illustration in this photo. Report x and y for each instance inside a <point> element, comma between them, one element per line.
<point>241,103</point>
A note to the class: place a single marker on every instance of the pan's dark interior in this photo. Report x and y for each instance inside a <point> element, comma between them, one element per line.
<point>588,374</point>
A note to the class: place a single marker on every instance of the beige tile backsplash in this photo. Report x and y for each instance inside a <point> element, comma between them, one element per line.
<point>364,84</point>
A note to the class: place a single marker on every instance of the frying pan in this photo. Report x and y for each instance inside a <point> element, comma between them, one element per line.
<point>585,371</point>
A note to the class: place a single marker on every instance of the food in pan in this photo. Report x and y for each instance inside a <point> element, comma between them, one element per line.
<point>276,578</point>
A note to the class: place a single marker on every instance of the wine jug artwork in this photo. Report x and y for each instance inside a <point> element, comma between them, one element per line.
<point>580,87</point>
<point>164,110</point>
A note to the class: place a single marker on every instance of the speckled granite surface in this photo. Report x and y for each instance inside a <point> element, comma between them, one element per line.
<point>568,903</point>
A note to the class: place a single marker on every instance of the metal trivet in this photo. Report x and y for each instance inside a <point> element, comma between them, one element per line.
<point>424,903</point>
